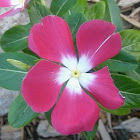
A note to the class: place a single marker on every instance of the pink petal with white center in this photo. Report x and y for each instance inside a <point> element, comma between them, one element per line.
<point>51,39</point>
<point>40,88</point>
<point>10,13</point>
<point>101,86</point>
<point>96,39</point>
<point>74,113</point>
<point>8,3</point>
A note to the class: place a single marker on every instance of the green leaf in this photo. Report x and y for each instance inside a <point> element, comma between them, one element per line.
<point>91,134</point>
<point>129,88</point>
<point>134,74</point>
<point>37,11</point>
<point>48,115</point>
<point>60,7</point>
<point>28,51</point>
<point>132,100</point>
<point>10,76</point>
<point>120,111</point>
<point>123,62</point>
<point>80,6</point>
<point>138,69</point>
<point>20,113</point>
<point>112,14</point>
<point>131,42</point>
<point>97,11</point>
<point>75,20</point>
<point>15,39</point>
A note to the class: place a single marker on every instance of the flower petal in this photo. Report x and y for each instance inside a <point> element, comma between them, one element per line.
<point>10,13</point>
<point>26,3</point>
<point>74,112</point>
<point>40,87</point>
<point>51,39</point>
<point>8,3</point>
<point>96,39</point>
<point>101,86</point>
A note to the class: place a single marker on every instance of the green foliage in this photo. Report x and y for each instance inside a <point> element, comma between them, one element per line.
<point>75,20</point>
<point>20,113</point>
<point>97,11</point>
<point>123,62</point>
<point>10,76</point>
<point>37,11</point>
<point>131,42</point>
<point>80,6</point>
<point>129,88</point>
<point>91,134</point>
<point>125,65</point>
<point>60,7</point>
<point>15,39</point>
<point>48,116</point>
<point>120,111</point>
<point>134,74</point>
<point>112,14</point>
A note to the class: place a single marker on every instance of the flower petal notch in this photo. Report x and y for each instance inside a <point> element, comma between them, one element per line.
<point>74,110</point>
<point>18,5</point>
<point>52,33</point>
<point>97,40</point>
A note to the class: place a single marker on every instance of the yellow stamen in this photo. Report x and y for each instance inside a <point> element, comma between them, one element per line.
<point>22,1</point>
<point>76,73</point>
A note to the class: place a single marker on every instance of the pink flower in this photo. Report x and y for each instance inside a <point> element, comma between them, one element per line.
<point>75,110</point>
<point>18,5</point>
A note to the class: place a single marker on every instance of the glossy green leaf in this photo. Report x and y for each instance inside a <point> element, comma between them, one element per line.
<point>75,20</point>
<point>48,116</point>
<point>91,134</point>
<point>123,62</point>
<point>80,7</point>
<point>134,74</point>
<point>131,42</point>
<point>132,100</point>
<point>28,51</point>
<point>37,11</point>
<point>97,11</point>
<point>138,69</point>
<point>20,113</point>
<point>120,111</point>
<point>129,88</point>
<point>10,76</point>
<point>15,39</point>
<point>112,14</point>
<point>60,7</point>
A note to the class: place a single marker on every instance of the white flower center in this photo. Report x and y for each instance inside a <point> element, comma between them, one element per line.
<point>22,1</point>
<point>18,3</point>
<point>76,73</point>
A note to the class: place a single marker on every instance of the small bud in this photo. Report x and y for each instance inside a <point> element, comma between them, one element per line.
<point>19,64</point>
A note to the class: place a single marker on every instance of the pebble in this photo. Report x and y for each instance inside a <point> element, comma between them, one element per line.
<point>9,133</point>
<point>45,130</point>
<point>131,125</point>
<point>6,98</point>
